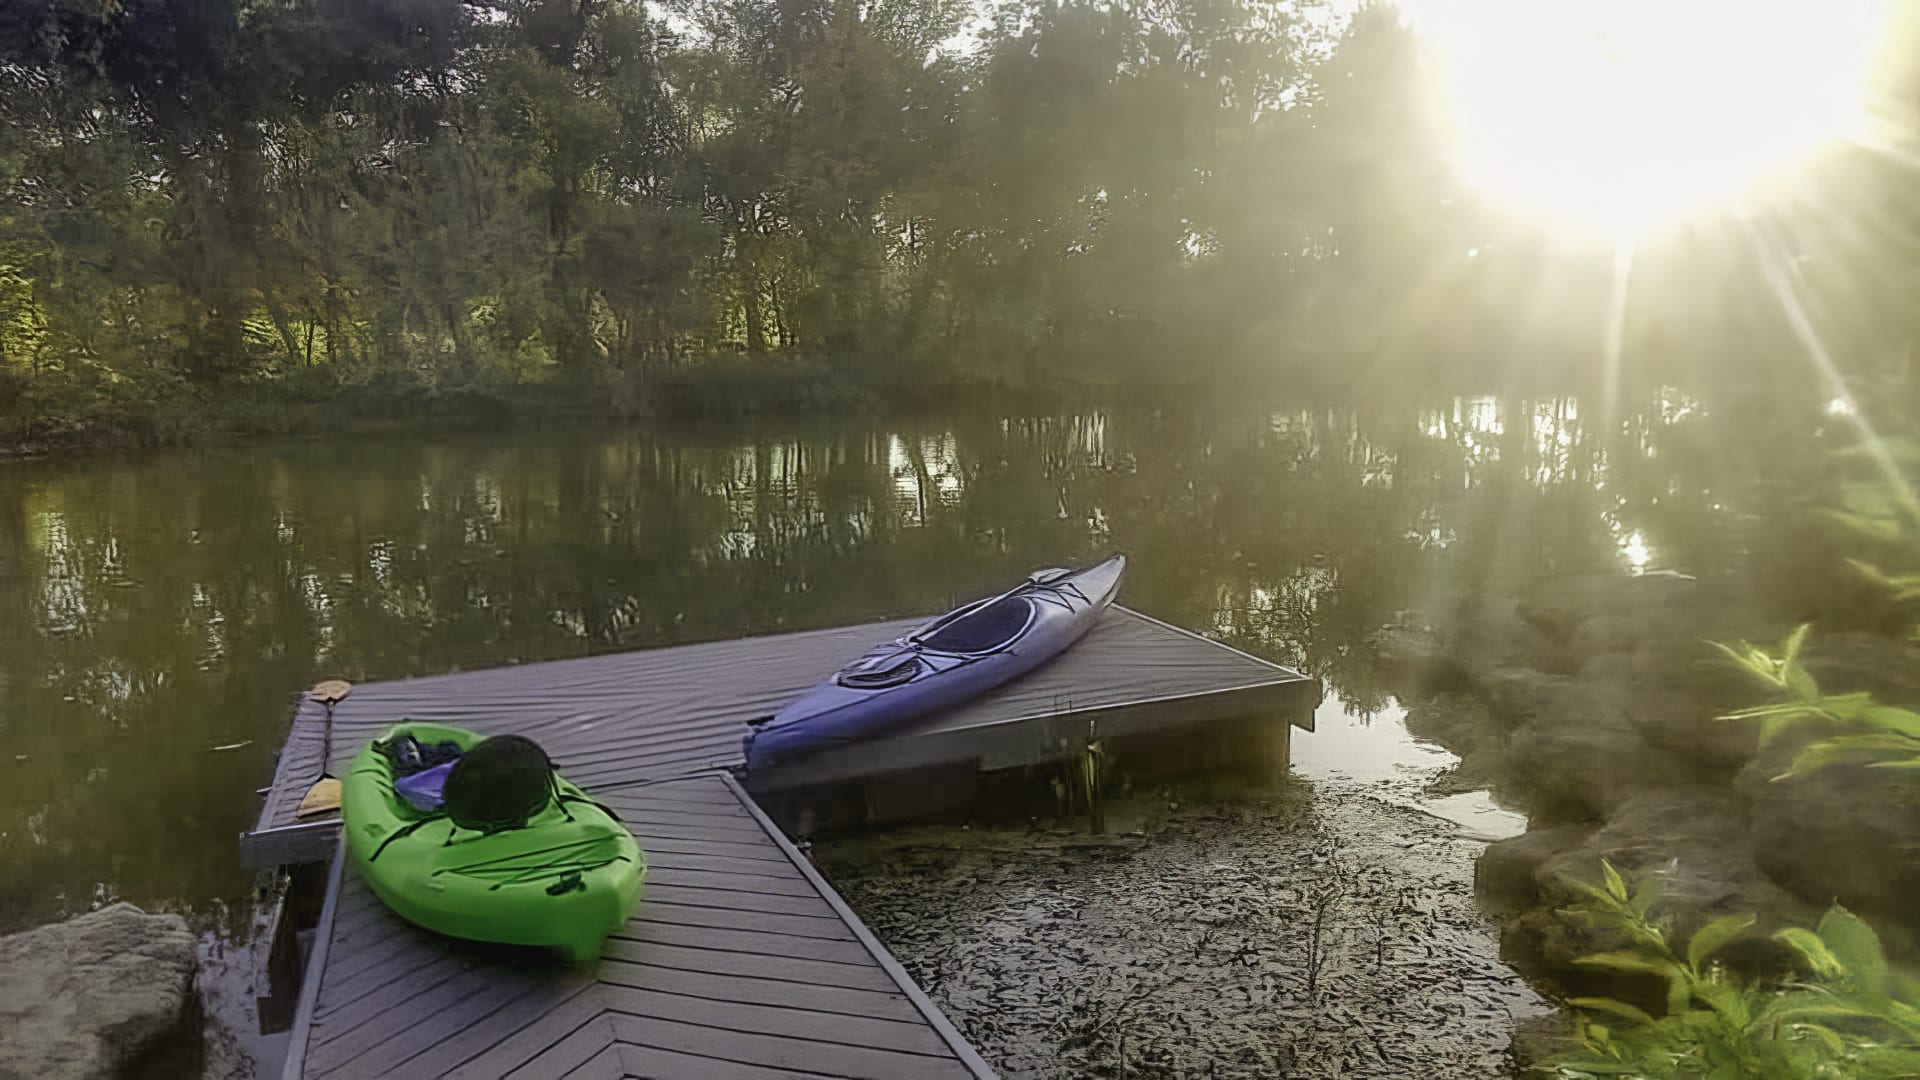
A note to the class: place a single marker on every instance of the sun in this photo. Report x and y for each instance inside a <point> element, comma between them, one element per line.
<point>1620,117</point>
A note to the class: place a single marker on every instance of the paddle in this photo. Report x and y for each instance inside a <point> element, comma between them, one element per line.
<point>324,795</point>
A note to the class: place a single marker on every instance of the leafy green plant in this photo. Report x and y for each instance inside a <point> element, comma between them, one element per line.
<point>1850,1015</point>
<point>1851,727</point>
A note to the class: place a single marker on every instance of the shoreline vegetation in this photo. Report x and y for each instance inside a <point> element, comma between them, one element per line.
<point>241,216</point>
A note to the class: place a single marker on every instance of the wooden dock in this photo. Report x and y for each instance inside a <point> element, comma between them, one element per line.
<point>636,717</point>
<point>741,961</point>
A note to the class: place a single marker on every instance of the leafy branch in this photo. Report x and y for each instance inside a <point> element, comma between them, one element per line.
<point>1854,727</point>
<point>1851,1016</point>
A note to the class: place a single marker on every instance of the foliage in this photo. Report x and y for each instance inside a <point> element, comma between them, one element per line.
<point>1852,727</point>
<point>470,197</point>
<point>1879,511</point>
<point>1847,1014</point>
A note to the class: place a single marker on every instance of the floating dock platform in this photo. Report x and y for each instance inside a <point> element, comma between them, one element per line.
<point>741,961</point>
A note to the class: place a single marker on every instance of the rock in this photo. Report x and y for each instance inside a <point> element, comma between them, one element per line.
<point>1598,635</point>
<point>1479,770</point>
<point>1461,722</point>
<point>1489,634</point>
<point>1506,876</point>
<point>1845,834</point>
<point>1693,840</point>
<point>1540,1040</point>
<point>1575,774</point>
<point>1608,668</point>
<point>85,997</point>
<point>1689,726</point>
<point>1414,651</point>
<point>1560,605</point>
<point>1523,696</point>
<point>1886,667</point>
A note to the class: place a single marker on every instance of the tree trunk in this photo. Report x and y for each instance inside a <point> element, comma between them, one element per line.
<point>756,319</point>
<point>462,342</point>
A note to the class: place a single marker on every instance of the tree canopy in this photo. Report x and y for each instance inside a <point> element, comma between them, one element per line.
<point>430,195</point>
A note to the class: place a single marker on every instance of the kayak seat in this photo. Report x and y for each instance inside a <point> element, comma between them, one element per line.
<point>995,626</point>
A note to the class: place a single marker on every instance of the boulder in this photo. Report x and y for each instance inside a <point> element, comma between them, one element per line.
<point>1843,833</point>
<point>1886,667</point>
<point>1522,696</point>
<point>85,997</point>
<point>1580,773</point>
<point>1689,726</point>
<point>1490,633</point>
<point>1506,876</point>
<point>1411,648</point>
<point>1694,841</point>
<point>1599,635</point>
<point>1560,605</point>
<point>1461,722</point>
<point>1453,640</point>
<point>1540,1040</point>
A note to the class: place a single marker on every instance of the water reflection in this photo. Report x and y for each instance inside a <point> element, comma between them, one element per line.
<point>1373,750</point>
<point>151,610</point>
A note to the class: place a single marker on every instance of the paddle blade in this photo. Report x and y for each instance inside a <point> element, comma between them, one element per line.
<point>323,797</point>
<point>330,691</point>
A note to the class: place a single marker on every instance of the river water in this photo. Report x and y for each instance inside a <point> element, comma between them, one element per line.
<point>157,613</point>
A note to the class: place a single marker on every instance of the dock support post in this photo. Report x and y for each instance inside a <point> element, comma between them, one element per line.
<point>1092,760</point>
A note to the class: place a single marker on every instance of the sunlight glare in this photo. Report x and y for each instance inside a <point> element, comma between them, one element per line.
<point>1619,118</point>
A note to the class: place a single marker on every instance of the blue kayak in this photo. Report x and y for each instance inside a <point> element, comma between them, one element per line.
<point>953,659</point>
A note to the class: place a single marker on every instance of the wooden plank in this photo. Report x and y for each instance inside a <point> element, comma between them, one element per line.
<point>766,884</point>
<point>486,1029</point>
<point>646,831</point>
<point>765,853</point>
<point>911,1037</point>
<point>608,1064</point>
<point>422,1023</point>
<point>637,818</point>
<point>797,925</point>
<point>295,1064</point>
<point>811,907</point>
<point>814,972</point>
<point>781,1053</point>
<point>528,1041</point>
<point>568,1054</point>
<point>658,859</point>
<point>290,845</point>
<point>372,948</point>
<point>336,1044</point>
<point>887,1005</point>
<point>748,942</point>
<point>410,982</point>
<point>653,1063</point>
<point>962,1049</point>
<point>697,791</point>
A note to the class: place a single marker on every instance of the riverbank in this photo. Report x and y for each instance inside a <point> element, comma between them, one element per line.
<point>1327,928</point>
<point>1597,705</point>
<point>53,417</point>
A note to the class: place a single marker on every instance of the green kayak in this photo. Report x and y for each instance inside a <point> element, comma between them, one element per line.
<point>564,880</point>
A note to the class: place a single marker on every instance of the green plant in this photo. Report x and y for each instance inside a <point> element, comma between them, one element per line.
<point>1853,726</point>
<point>1849,1015</point>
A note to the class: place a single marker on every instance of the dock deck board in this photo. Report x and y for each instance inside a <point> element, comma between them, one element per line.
<point>704,981</point>
<point>641,717</point>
